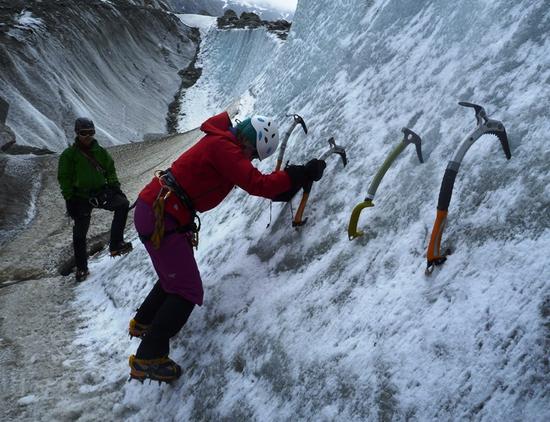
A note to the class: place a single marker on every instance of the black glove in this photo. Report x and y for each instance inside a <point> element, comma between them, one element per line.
<point>297,176</point>
<point>315,169</point>
<point>302,177</point>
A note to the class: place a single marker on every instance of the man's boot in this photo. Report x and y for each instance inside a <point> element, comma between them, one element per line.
<point>120,248</point>
<point>81,274</point>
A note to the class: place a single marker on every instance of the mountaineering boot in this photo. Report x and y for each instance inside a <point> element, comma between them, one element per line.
<point>120,248</point>
<point>81,275</point>
<point>138,330</point>
<point>160,369</point>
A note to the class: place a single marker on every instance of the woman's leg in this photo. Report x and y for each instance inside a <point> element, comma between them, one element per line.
<point>152,303</point>
<point>168,321</point>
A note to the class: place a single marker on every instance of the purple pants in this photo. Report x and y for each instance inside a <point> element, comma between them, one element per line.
<point>173,261</point>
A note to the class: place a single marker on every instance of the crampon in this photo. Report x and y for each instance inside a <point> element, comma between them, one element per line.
<point>160,369</point>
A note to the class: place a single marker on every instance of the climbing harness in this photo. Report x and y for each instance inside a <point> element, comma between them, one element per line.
<point>169,186</point>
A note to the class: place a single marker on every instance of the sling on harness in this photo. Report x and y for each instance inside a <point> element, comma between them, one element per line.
<point>170,186</point>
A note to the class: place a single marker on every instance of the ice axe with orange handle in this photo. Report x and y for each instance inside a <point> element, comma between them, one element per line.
<point>485,126</point>
<point>409,138</point>
<point>334,149</point>
<point>298,120</point>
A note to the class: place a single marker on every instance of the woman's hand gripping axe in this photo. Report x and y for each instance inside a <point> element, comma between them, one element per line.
<point>485,126</point>
<point>409,138</point>
<point>334,149</point>
<point>298,120</point>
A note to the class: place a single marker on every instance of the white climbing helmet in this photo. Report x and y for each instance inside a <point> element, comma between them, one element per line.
<point>267,135</point>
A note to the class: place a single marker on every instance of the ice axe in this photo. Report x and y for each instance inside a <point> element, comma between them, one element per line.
<point>485,126</point>
<point>297,120</point>
<point>333,149</point>
<point>409,138</point>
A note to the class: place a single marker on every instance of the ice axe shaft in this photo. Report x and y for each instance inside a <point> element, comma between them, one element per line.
<point>409,138</point>
<point>333,149</point>
<point>298,120</point>
<point>485,126</point>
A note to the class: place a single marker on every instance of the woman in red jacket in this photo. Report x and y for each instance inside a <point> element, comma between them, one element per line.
<point>167,222</point>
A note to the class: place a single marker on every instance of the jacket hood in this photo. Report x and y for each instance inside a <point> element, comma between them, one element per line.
<point>219,125</point>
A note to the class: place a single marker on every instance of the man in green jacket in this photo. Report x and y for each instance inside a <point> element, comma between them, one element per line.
<point>88,180</point>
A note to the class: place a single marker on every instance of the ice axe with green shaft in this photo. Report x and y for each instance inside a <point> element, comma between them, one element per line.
<point>333,149</point>
<point>409,138</point>
<point>485,126</point>
<point>298,120</point>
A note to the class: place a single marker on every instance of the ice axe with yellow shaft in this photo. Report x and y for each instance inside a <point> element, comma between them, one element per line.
<point>333,149</point>
<point>409,138</point>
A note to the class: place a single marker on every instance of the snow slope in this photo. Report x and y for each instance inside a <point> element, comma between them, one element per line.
<point>305,325</point>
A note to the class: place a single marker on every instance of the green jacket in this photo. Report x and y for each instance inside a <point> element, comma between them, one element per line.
<point>78,177</point>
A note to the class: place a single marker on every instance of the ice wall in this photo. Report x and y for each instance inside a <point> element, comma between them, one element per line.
<point>112,61</point>
<point>306,325</point>
<point>231,61</point>
<point>356,329</point>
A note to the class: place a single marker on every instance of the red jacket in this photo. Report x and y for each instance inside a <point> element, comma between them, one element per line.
<point>211,168</point>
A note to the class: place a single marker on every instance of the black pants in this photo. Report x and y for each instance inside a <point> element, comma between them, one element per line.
<point>167,313</point>
<point>82,213</point>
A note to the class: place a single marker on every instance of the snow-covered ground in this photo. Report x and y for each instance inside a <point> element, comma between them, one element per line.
<point>306,325</point>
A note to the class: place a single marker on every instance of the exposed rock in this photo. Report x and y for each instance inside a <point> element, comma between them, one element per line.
<point>4,107</point>
<point>228,20</point>
<point>251,20</point>
<point>189,76</point>
<point>14,149</point>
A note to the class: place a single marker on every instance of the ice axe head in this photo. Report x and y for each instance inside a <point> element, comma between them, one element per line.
<point>412,138</point>
<point>481,114</point>
<point>335,149</point>
<point>492,127</point>
<point>299,120</point>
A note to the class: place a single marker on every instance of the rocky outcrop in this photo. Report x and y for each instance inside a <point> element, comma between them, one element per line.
<point>251,20</point>
<point>189,76</point>
<point>218,7</point>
